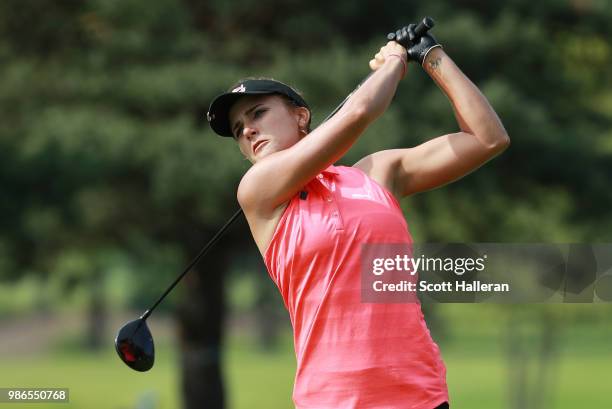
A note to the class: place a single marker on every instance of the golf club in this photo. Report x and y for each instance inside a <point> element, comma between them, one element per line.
<point>134,342</point>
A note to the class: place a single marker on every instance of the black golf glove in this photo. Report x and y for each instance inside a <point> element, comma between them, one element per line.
<point>417,48</point>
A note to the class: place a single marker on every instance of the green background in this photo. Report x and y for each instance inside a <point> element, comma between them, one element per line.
<point>110,181</point>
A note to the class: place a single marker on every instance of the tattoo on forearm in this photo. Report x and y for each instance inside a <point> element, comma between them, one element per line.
<point>435,63</point>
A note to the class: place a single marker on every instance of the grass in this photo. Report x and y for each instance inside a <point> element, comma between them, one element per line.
<point>263,380</point>
<point>475,358</point>
<point>94,380</point>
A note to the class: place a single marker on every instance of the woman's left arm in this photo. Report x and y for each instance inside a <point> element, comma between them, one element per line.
<point>449,157</point>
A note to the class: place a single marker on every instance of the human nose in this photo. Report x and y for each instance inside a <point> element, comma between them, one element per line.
<point>249,132</point>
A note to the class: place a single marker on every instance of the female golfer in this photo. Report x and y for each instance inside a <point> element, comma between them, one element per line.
<point>309,219</point>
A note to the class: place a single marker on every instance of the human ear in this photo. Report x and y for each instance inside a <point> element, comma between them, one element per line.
<point>303,117</point>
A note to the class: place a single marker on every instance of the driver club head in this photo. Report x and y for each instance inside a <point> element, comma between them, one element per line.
<point>134,344</point>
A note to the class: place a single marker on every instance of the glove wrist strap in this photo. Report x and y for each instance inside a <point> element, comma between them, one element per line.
<point>427,53</point>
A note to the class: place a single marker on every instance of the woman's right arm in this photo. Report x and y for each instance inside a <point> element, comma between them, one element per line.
<point>278,177</point>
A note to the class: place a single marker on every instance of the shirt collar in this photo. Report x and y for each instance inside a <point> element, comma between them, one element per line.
<point>331,169</point>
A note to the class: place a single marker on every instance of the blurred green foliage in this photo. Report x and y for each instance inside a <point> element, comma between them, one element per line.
<point>103,139</point>
<point>103,101</point>
<point>110,178</point>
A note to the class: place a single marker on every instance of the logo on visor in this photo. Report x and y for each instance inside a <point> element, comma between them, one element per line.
<point>241,88</point>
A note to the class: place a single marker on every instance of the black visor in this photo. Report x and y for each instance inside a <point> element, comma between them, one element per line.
<point>218,112</point>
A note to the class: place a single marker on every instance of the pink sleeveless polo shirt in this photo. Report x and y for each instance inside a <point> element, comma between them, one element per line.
<point>350,354</point>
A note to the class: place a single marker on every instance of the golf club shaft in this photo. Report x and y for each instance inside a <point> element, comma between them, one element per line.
<point>217,236</point>
<point>421,29</point>
<point>193,262</point>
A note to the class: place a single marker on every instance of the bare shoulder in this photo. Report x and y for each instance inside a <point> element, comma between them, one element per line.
<point>247,191</point>
<point>382,167</point>
<point>261,217</point>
